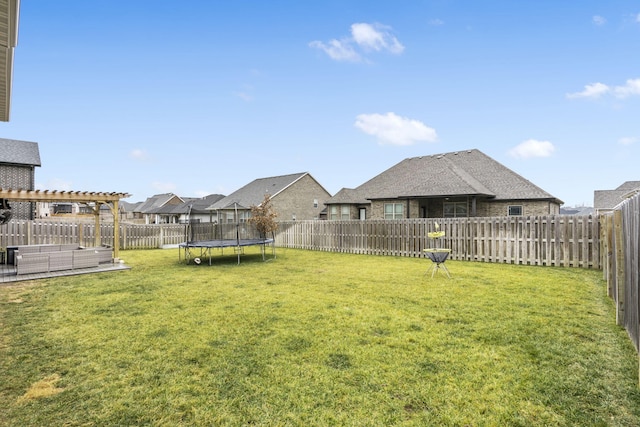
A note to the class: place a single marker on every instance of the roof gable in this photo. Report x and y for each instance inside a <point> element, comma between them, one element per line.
<point>153,203</point>
<point>253,193</point>
<point>19,152</point>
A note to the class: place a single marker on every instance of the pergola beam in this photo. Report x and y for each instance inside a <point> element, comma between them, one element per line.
<point>98,198</point>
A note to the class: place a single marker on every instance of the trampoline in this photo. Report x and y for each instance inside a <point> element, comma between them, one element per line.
<point>204,248</point>
<point>192,245</point>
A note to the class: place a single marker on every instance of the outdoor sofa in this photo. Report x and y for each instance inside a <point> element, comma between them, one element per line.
<point>47,258</point>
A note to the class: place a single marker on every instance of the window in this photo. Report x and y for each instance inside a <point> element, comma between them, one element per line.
<point>393,211</point>
<point>315,203</point>
<point>339,212</point>
<point>455,209</point>
<point>345,212</point>
<point>333,212</point>
<point>515,210</point>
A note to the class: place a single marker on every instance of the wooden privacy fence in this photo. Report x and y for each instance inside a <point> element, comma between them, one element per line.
<point>546,240</point>
<point>132,236</point>
<point>559,240</point>
<point>621,263</point>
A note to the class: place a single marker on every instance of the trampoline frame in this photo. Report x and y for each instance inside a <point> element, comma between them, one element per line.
<point>206,246</point>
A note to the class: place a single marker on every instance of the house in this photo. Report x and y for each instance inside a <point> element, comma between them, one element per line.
<point>191,210</point>
<point>457,184</point>
<point>196,209</point>
<point>18,161</point>
<point>67,209</point>
<point>605,200</point>
<point>296,196</point>
<point>157,209</point>
<point>577,210</point>
<point>8,41</point>
<point>128,209</point>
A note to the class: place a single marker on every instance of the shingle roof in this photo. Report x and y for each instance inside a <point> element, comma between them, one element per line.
<point>192,205</point>
<point>629,186</point>
<point>19,152</point>
<point>253,193</point>
<point>461,173</point>
<point>201,205</point>
<point>349,195</point>
<point>609,199</point>
<point>154,202</point>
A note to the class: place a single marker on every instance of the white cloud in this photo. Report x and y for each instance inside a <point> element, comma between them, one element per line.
<point>596,90</point>
<point>436,22</point>
<point>628,140</point>
<point>375,37</point>
<point>532,148</point>
<point>364,38</point>
<point>138,154</point>
<point>392,129</point>
<point>638,18</point>
<point>632,87</point>
<point>338,50</point>
<point>599,20</point>
<point>593,90</point>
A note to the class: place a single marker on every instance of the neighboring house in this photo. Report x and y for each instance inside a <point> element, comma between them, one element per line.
<point>196,210</point>
<point>157,209</point>
<point>127,210</point>
<point>458,184</point>
<point>67,209</point>
<point>293,197</point>
<point>18,161</point>
<point>577,210</point>
<point>605,200</point>
<point>190,210</point>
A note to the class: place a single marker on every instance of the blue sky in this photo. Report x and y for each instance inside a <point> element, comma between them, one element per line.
<point>201,97</point>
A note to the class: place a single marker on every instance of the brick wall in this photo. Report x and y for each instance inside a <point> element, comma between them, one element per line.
<point>15,178</point>
<point>298,200</point>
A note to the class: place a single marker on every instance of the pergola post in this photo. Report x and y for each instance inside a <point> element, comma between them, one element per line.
<point>96,215</point>
<point>116,230</point>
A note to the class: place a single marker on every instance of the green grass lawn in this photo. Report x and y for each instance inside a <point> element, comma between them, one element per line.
<point>315,339</point>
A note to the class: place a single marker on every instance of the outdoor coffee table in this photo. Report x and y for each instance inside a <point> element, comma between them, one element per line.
<point>438,256</point>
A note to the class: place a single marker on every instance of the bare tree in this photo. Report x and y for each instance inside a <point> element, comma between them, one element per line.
<point>263,217</point>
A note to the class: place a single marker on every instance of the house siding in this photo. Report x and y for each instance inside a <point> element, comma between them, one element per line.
<point>15,177</point>
<point>298,200</point>
<point>529,208</point>
<point>434,208</point>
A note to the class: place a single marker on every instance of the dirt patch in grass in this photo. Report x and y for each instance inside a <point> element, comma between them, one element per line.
<point>46,387</point>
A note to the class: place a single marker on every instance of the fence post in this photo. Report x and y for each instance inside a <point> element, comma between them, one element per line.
<point>619,273</point>
<point>29,225</point>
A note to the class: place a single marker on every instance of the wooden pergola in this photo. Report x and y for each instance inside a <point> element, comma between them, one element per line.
<point>111,200</point>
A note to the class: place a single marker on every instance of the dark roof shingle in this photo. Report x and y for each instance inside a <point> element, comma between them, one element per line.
<point>253,193</point>
<point>19,152</point>
<point>460,173</point>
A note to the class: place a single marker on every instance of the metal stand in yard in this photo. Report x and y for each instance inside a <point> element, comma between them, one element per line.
<point>437,255</point>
